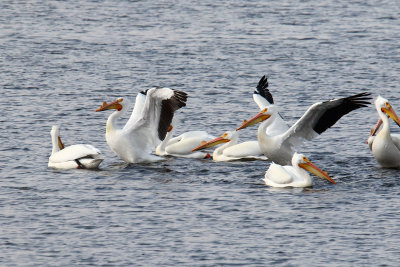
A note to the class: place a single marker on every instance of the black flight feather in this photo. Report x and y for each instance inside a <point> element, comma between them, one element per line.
<point>262,89</point>
<point>80,165</point>
<point>168,107</point>
<point>342,107</point>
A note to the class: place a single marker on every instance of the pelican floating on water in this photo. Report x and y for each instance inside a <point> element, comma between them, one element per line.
<point>80,156</point>
<point>248,149</point>
<point>318,118</point>
<point>295,175</point>
<point>385,146</point>
<point>182,145</point>
<point>147,126</point>
<point>231,150</point>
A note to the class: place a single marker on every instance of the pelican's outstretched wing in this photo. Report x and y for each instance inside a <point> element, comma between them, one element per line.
<point>137,109</point>
<point>157,114</point>
<point>320,116</point>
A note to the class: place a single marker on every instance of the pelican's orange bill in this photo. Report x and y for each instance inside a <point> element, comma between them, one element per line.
<point>113,105</point>
<point>391,113</point>
<point>309,166</point>
<point>261,116</point>
<point>214,142</point>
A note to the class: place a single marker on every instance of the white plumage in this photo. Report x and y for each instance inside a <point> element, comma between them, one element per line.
<point>147,126</point>
<point>295,175</point>
<point>79,156</point>
<point>248,149</point>
<point>281,146</point>
<point>231,150</point>
<point>385,146</point>
<point>182,145</point>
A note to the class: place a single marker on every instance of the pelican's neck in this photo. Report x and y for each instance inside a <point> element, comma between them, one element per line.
<point>302,174</point>
<point>160,149</point>
<point>262,129</point>
<point>233,141</point>
<point>111,125</point>
<point>54,142</point>
<point>385,131</point>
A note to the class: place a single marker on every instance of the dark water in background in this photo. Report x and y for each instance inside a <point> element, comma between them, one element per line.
<point>61,60</point>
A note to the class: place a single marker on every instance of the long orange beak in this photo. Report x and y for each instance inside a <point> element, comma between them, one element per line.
<point>256,119</point>
<point>392,114</point>
<point>309,166</point>
<point>212,143</point>
<point>113,105</point>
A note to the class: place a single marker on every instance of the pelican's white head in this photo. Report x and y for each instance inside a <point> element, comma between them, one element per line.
<point>55,130</point>
<point>303,162</point>
<point>380,102</point>
<point>384,108</point>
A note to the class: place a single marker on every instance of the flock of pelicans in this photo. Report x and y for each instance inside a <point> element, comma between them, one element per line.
<point>147,136</point>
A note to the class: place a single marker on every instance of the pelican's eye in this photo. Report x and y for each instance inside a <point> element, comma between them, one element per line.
<point>120,100</point>
<point>387,104</point>
<point>305,159</point>
<point>264,110</point>
<point>224,135</point>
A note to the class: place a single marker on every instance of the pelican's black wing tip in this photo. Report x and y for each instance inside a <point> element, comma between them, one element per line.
<point>262,89</point>
<point>341,107</point>
<point>168,108</point>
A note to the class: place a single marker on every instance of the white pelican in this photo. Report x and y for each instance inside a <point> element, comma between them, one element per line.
<point>231,150</point>
<point>385,146</point>
<point>72,157</point>
<point>147,126</point>
<point>182,145</point>
<point>319,117</point>
<point>248,149</point>
<point>294,175</point>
